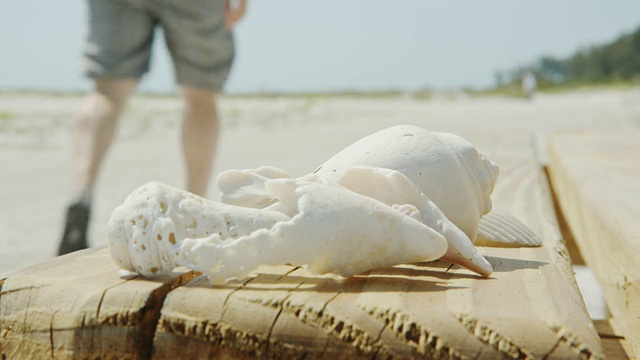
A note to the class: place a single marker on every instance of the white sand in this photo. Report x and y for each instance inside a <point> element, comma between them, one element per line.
<point>295,134</point>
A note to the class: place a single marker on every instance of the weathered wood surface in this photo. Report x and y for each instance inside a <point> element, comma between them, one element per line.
<point>597,178</point>
<point>79,306</point>
<point>530,308</point>
<point>614,344</point>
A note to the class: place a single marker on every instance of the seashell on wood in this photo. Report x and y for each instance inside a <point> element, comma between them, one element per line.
<point>324,227</point>
<point>445,167</point>
<point>400,195</point>
<point>330,230</point>
<point>392,188</point>
<point>145,232</point>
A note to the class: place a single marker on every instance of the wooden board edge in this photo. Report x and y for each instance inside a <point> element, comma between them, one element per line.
<point>615,344</point>
<point>139,324</point>
<point>576,213</point>
<point>567,199</point>
<point>565,230</point>
<point>560,252</point>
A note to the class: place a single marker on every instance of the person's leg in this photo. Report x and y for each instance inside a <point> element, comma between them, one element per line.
<point>93,130</point>
<point>200,130</point>
<point>116,54</point>
<point>202,51</point>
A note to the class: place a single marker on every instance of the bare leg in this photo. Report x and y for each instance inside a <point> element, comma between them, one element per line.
<point>200,130</point>
<point>93,131</point>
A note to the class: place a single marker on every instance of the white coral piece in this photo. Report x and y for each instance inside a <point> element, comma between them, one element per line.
<point>145,233</point>
<point>331,230</point>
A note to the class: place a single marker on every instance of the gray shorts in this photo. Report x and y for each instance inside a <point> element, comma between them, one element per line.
<point>121,34</point>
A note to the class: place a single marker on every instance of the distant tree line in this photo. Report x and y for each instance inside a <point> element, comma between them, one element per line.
<point>616,62</point>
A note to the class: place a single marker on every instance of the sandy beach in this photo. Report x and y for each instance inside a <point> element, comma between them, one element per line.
<point>292,133</point>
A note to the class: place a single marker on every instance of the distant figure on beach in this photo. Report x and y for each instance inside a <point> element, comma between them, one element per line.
<point>529,85</point>
<point>117,53</point>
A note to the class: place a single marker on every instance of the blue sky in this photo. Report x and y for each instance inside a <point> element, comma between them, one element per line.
<point>325,45</point>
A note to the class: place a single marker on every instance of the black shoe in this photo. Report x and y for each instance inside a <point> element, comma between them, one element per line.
<point>75,229</point>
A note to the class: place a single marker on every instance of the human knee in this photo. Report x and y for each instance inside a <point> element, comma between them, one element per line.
<point>115,91</point>
<point>200,103</point>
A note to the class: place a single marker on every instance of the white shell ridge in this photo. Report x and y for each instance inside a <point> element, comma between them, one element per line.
<point>498,228</point>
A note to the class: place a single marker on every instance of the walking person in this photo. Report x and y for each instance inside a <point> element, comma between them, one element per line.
<point>199,38</point>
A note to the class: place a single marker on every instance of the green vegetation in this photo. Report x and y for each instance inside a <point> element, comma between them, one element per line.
<point>616,64</point>
<point>5,116</point>
<point>613,65</point>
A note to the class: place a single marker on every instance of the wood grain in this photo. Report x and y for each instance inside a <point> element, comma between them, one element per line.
<point>529,308</point>
<point>614,344</point>
<point>597,177</point>
<point>80,306</point>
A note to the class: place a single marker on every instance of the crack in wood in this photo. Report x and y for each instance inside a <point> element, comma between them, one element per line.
<point>24,324</point>
<point>358,338</point>
<point>553,348</point>
<point>477,356</point>
<point>273,324</point>
<point>275,320</point>
<point>150,312</point>
<point>378,340</point>
<point>349,333</point>
<point>493,338</point>
<point>51,334</point>
<point>324,307</point>
<point>575,344</point>
<point>17,290</point>
<point>104,293</point>
<point>226,299</point>
<point>288,273</point>
<point>414,334</point>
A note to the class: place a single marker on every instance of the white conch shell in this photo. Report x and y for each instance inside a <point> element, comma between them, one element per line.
<point>446,168</point>
<point>145,233</point>
<point>331,229</point>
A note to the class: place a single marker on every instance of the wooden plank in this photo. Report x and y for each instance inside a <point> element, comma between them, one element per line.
<point>613,343</point>
<point>529,308</point>
<point>80,306</point>
<point>565,230</point>
<point>597,178</point>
